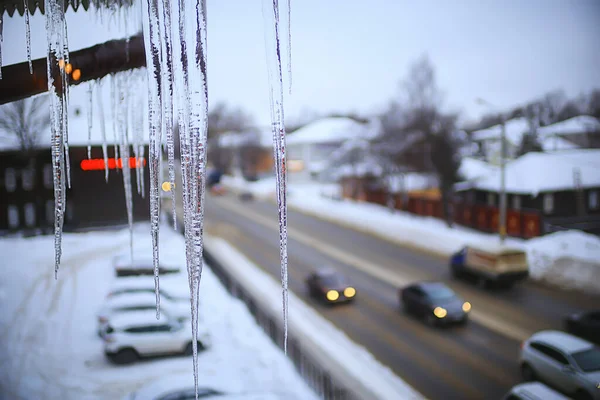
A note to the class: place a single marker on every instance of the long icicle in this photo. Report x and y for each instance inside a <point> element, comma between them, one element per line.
<point>28,35</point>
<point>1,40</point>
<point>271,14</point>
<point>113,114</point>
<point>102,129</point>
<point>55,21</point>
<point>90,94</point>
<point>65,46</point>
<point>167,98</point>
<point>289,43</point>
<point>153,66</point>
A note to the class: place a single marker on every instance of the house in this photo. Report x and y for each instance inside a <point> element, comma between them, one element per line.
<point>490,144</point>
<point>249,152</point>
<point>562,187</point>
<point>582,131</point>
<point>27,186</point>
<point>310,147</point>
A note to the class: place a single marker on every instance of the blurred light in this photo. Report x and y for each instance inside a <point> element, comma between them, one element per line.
<point>68,68</point>
<point>96,164</point>
<point>166,186</point>
<point>333,295</point>
<point>76,74</point>
<point>295,165</point>
<point>349,292</point>
<point>440,312</point>
<point>466,306</point>
<point>61,63</point>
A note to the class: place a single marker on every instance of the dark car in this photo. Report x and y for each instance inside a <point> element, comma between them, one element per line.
<point>330,286</point>
<point>435,302</point>
<point>586,325</point>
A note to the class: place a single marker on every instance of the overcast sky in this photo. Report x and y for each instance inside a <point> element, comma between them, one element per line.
<point>348,55</point>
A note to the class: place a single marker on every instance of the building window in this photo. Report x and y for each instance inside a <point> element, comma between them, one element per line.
<point>29,214</point>
<point>548,203</point>
<point>470,197</point>
<point>48,176</point>
<point>491,199</point>
<point>593,200</point>
<point>13,216</point>
<point>27,176</point>
<point>50,212</point>
<point>10,179</point>
<point>516,202</point>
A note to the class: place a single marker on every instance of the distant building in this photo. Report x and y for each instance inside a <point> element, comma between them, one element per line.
<point>250,152</point>
<point>490,144</point>
<point>563,187</point>
<point>583,131</point>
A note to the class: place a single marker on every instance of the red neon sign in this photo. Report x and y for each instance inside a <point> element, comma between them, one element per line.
<point>96,164</point>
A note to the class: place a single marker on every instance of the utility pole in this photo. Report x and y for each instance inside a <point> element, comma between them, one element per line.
<point>502,222</point>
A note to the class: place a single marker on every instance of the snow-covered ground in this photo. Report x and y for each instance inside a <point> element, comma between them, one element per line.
<point>49,347</point>
<point>569,259</point>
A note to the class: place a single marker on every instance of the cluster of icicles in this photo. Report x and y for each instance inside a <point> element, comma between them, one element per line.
<point>175,76</point>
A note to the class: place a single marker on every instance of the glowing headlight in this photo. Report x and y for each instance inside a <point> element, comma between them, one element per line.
<point>466,306</point>
<point>349,292</point>
<point>440,312</point>
<point>333,295</point>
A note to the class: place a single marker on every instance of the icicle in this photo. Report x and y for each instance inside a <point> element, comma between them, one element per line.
<point>90,93</point>
<point>103,131</point>
<point>289,43</point>
<point>1,40</point>
<point>123,136</point>
<point>55,21</point>
<point>271,16</point>
<point>153,67</point>
<point>28,35</point>
<point>113,112</point>
<point>167,98</point>
<point>136,110</point>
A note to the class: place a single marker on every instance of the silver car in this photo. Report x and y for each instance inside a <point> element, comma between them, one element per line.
<point>566,362</point>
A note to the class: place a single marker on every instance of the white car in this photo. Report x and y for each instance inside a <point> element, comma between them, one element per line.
<point>142,265</point>
<point>533,391</point>
<point>131,336</point>
<point>563,361</point>
<point>146,301</point>
<point>181,387</point>
<point>175,289</point>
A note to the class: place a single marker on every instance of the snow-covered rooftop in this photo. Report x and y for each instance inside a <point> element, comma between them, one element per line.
<point>472,168</point>
<point>575,125</point>
<point>557,143</point>
<point>546,172</point>
<point>263,137</point>
<point>335,129</point>
<point>515,128</point>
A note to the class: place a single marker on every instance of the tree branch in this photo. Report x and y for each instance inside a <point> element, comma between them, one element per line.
<point>93,62</point>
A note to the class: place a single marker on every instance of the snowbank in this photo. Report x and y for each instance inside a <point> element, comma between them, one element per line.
<point>313,331</point>
<point>568,259</point>
<point>49,347</point>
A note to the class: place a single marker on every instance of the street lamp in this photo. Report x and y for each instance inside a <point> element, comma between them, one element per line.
<point>502,221</point>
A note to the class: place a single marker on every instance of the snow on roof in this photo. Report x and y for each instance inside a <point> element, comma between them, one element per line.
<point>557,143</point>
<point>546,172</point>
<point>515,129</point>
<point>78,121</point>
<point>575,125</point>
<point>472,168</point>
<point>335,129</point>
<point>263,137</point>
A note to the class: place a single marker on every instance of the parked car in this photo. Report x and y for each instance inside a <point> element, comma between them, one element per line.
<point>330,286</point>
<point>585,325</point>
<point>497,264</point>
<point>127,303</point>
<point>566,362</point>
<point>435,302</point>
<point>533,391</point>
<point>132,336</point>
<point>178,387</point>
<point>171,289</point>
<point>140,266</point>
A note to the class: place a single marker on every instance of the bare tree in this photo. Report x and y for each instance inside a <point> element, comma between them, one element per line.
<point>26,120</point>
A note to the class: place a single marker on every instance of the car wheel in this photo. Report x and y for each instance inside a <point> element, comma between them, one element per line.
<point>527,373</point>
<point>125,356</point>
<point>189,348</point>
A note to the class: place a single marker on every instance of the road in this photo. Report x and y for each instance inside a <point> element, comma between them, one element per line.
<point>478,361</point>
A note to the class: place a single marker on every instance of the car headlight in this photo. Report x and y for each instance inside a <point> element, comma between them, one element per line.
<point>349,292</point>
<point>440,312</point>
<point>333,295</point>
<point>466,306</point>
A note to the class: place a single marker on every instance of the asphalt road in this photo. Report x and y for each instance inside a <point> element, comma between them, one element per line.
<point>478,361</point>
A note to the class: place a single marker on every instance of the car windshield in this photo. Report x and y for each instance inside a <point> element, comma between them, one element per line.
<point>588,360</point>
<point>333,280</point>
<point>438,292</point>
